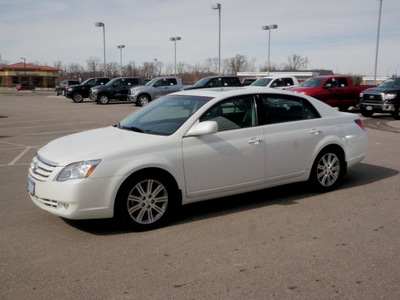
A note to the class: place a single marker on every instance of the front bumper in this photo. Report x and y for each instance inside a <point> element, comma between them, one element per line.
<point>89,198</point>
<point>377,107</point>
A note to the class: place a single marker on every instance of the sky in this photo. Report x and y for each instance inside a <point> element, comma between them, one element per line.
<point>337,35</point>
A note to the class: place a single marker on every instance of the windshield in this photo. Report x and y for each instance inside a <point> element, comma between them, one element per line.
<point>261,82</point>
<point>202,82</point>
<point>313,82</point>
<point>391,83</point>
<point>150,83</point>
<point>165,115</point>
<point>112,81</point>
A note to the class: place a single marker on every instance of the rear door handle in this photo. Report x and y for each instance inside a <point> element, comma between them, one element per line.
<point>255,141</point>
<point>315,131</point>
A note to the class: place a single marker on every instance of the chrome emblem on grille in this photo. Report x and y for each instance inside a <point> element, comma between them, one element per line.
<point>371,97</point>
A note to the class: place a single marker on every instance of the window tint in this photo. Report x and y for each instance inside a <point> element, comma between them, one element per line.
<point>282,108</point>
<point>215,82</point>
<point>133,81</point>
<point>171,81</point>
<point>234,113</point>
<point>288,81</point>
<point>342,82</point>
<point>231,81</point>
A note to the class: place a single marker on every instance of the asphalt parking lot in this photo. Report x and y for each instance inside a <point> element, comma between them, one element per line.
<point>280,243</point>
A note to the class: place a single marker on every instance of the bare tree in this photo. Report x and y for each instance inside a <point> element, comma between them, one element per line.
<point>93,66</point>
<point>112,69</point>
<point>295,62</point>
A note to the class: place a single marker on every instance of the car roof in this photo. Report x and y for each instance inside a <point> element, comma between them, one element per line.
<point>232,91</point>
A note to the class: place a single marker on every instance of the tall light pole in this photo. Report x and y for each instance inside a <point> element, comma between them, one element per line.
<point>174,39</point>
<point>24,67</point>
<point>269,28</point>
<point>218,6</point>
<point>101,24</point>
<point>377,40</point>
<point>120,47</point>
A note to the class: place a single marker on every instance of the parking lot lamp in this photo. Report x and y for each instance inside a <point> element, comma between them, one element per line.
<point>101,24</point>
<point>120,47</point>
<point>269,28</point>
<point>377,41</point>
<point>218,6</point>
<point>24,67</point>
<point>174,39</point>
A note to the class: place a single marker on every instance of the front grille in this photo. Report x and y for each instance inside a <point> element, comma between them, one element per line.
<point>41,168</point>
<point>373,98</point>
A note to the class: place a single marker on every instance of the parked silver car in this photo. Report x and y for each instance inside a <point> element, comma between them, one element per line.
<point>142,95</point>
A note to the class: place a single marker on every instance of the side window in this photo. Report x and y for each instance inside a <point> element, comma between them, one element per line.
<point>231,81</point>
<point>277,83</point>
<point>118,82</point>
<point>343,82</point>
<point>215,82</point>
<point>171,81</point>
<point>282,108</point>
<point>331,83</point>
<point>234,113</point>
<point>288,81</point>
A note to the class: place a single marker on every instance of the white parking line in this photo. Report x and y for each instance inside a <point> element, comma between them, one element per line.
<point>19,156</point>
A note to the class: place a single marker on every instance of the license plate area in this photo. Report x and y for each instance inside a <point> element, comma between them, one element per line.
<point>31,187</point>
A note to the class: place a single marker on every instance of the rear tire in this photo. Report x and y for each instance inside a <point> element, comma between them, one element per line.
<point>344,107</point>
<point>328,170</point>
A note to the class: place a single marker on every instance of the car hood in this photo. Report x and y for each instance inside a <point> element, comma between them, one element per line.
<point>298,88</point>
<point>381,90</point>
<point>102,143</point>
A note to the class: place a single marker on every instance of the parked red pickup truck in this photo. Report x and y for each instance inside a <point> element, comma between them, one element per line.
<point>337,91</point>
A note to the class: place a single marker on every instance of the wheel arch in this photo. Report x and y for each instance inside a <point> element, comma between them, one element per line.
<point>151,170</point>
<point>338,149</point>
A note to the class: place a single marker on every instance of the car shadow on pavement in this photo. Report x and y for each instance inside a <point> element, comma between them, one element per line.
<point>360,175</point>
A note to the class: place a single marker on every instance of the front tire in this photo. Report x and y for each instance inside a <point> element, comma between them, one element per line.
<point>146,201</point>
<point>328,170</point>
<point>396,113</point>
<point>143,100</point>
<point>103,99</point>
<point>77,98</point>
<point>366,113</point>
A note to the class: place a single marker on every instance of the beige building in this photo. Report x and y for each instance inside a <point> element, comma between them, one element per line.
<point>39,76</point>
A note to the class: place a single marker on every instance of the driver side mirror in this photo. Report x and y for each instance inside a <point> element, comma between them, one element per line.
<point>203,128</point>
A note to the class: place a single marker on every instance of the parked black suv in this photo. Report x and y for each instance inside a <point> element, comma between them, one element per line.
<point>385,98</point>
<point>62,87</point>
<point>215,81</point>
<point>78,92</point>
<point>117,88</point>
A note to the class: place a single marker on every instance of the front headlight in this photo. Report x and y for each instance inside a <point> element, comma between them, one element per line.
<point>361,94</point>
<point>69,89</point>
<point>302,93</point>
<point>390,96</point>
<point>78,170</point>
<point>134,91</point>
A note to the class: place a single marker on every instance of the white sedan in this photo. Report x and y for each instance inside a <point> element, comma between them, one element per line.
<point>191,146</point>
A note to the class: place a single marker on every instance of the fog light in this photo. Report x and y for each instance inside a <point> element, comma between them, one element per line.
<point>66,205</point>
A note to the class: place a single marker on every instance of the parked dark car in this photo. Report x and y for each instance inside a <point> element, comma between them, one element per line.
<point>24,86</point>
<point>61,89</point>
<point>215,81</point>
<point>385,98</point>
<point>248,81</point>
<point>117,89</point>
<point>78,92</point>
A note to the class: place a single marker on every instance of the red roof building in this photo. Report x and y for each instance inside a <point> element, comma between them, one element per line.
<point>39,76</point>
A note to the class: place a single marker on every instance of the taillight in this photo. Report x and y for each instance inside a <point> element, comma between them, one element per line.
<point>360,123</point>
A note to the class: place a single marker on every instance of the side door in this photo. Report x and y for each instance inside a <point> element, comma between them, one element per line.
<point>292,131</point>
<point>117,88</point>
<point>231,159</point>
